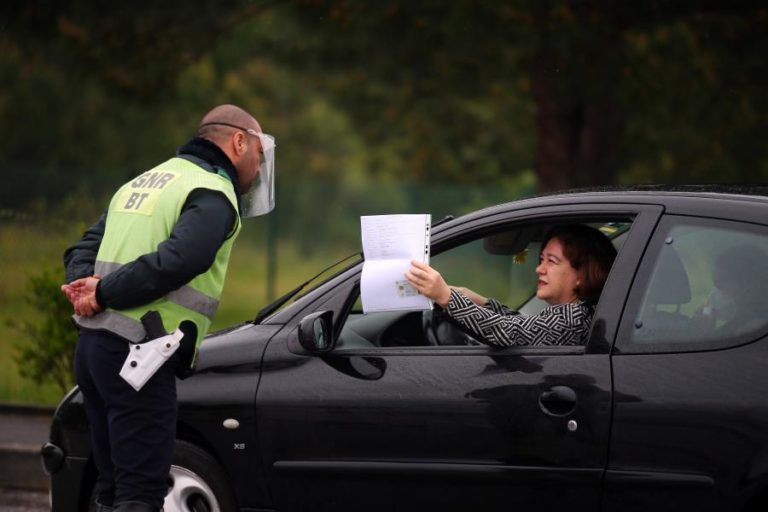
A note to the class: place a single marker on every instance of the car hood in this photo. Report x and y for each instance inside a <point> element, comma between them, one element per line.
<point>237,347</point>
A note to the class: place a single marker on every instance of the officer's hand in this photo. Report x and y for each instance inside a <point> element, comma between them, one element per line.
<point>69,293</point>
<point>73,290</point>
<point>85,296</point>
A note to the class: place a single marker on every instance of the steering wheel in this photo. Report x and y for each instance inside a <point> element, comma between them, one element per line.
<point>441,330</point>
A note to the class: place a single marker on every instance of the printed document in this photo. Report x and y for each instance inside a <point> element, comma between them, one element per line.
<point>390,242</point>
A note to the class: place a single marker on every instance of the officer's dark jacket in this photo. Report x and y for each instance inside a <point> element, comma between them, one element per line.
<point>206,221</point>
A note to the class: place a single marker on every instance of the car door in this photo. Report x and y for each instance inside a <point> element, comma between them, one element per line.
<point>408,426</point>
<point>689,370</point>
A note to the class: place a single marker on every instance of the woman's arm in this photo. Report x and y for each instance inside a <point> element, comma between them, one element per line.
<point>471,295</point>
<point>564,324</point>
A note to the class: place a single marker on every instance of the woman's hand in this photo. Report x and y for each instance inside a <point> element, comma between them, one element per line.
<point>429,283</point>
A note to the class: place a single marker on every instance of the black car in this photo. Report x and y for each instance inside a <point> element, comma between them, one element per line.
<point>317,406</point>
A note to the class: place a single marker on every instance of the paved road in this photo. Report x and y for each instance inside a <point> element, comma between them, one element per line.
<point>24,425</point>
<point>23,485</point>
<point>23,501</point>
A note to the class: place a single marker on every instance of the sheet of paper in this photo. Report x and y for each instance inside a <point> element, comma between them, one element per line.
<point>390,242</point>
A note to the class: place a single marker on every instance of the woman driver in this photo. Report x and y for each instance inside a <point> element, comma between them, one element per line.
<point>573,266</point>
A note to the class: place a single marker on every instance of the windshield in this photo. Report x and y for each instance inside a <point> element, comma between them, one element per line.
<point>309,285</point>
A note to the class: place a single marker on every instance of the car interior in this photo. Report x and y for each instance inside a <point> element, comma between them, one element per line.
<point>501,265</point>
<point>669,291</point>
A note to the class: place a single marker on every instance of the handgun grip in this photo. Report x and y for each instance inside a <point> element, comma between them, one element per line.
<point>153,324</point>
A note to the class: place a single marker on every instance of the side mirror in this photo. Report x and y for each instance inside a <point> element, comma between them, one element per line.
<point>316,332</point>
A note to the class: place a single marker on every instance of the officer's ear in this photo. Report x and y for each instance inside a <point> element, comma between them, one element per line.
<point>240,143</point>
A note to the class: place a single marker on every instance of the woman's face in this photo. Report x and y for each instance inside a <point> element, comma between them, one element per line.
<point>557,278</point>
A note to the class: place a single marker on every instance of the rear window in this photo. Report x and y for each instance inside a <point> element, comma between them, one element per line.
<point>702,287</point>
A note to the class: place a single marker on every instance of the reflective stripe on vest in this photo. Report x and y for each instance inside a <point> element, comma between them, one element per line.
<point>185,296</point>
<point>116,322</point>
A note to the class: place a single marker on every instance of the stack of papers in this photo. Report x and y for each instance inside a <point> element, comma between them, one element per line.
<point>390,242</point>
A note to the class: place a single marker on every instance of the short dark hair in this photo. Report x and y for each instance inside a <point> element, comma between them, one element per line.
<point>588,251</point>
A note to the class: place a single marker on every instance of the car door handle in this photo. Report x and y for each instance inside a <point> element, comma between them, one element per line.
<point>558,401</point>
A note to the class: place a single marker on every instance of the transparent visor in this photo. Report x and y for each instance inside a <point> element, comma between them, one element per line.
<point>261,198</point>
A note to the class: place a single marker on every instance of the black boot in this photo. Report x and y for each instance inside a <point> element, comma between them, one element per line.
<point>134,506</point>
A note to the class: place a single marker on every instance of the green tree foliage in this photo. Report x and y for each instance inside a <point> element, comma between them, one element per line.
<point>87,85</point>
<point>436,87</point>
<point>697,78</point>
<point>137,48</point>
<point>595,91</point>
<point>48,353</point>
<point>584,92</point>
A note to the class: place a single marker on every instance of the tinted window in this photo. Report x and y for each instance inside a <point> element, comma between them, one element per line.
<point>703,286</point>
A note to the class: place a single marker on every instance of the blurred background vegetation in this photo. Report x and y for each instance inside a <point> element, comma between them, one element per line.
<point>397,106</point>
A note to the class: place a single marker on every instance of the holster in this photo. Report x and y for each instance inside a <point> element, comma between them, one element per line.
<point>187,350</point>
<point>146,357</point>
<point>153,324</point>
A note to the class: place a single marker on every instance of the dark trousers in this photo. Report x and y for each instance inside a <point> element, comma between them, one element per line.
<point>132,432</point>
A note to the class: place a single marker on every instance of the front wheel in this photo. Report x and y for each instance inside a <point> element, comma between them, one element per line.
<point>197,483</point>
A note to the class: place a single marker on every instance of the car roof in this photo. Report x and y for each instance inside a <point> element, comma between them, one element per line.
<point>641,193</point>
<point>666,189</point>
<point>667,195</point>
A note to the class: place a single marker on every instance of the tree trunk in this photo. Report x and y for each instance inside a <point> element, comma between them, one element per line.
<point>573,77</point>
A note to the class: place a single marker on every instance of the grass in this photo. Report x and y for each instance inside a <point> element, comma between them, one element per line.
<point>27,247</point>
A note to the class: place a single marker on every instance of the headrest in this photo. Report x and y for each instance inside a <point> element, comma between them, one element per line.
<point>670,280</point>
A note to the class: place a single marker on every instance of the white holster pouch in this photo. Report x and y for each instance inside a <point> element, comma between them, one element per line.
<point>146,358</point>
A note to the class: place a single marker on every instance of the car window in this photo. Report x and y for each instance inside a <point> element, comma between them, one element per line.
<point>499,265</point>
<point>702,287</point>
<point>508,278</point>
<point>511,279</point>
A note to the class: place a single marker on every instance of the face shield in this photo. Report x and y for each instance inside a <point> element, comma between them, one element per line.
<point>260,199</point>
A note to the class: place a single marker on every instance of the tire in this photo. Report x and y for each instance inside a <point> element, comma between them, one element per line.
<point>197,483</point>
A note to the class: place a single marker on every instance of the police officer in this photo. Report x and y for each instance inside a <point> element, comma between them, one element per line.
<point>162,245</point>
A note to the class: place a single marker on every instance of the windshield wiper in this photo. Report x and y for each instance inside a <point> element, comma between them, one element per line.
<point>275,305</point>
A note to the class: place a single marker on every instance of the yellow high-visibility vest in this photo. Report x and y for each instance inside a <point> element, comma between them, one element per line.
<point>141,215</point>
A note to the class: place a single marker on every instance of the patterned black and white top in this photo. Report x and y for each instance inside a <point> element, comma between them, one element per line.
<point>496,324</point>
